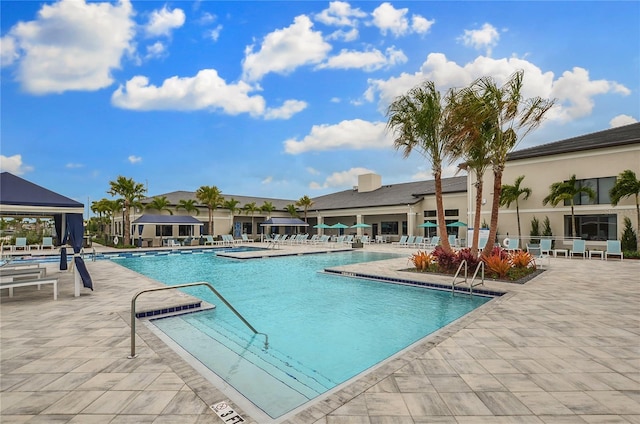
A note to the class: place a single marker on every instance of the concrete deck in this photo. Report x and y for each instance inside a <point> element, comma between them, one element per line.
<point>562,348</point>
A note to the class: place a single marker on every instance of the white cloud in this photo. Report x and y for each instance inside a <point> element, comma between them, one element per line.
<point>622,120</point>
<point>8,51</point>
<point>284,50</point>
<point>163,21</point>
<point>574,90</point>
<point>14,165</point>
<point>340,13</point>
<point>420,24</point>
<point>286,111</point>
<point>355,134</point>
<point>485,37</point>
<point>389,19</point>
<point>155,50</point>
<point>134,159</point>
<point>74,165</point>
<point>368,61</point>
<point>214,34</point>
<point>347,178</point>
<point>267,180</point>
<point>346,36</point>
<point>72,45</point>
<point>312,171</point>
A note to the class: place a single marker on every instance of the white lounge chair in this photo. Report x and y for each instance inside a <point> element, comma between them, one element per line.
<point>538,256</point>
<point>613,249</point>
<point>545,246</point>
<point>21,244</point>
<point>246,239</point>
<point>47,243</point>
<point>512,244</point>
<point>402,241</point>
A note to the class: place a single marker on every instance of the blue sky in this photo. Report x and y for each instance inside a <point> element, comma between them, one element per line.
<point>282,99</point>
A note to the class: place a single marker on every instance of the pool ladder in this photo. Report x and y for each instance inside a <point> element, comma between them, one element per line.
<point>464,279</point>
<point>133,312</point>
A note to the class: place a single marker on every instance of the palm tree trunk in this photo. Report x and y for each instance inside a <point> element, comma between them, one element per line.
<point>495,205</point>
<point>125,230</point>
<point>444,239</point>
<point>518,218</point>
<point>573,222</point>
<point>476,218</point>
<point>638,227</point>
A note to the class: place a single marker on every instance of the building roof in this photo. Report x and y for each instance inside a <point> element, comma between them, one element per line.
<point>174,198</point>
<point>20,196</point>
<point>287,222</point>
<point>613,137</point>
<point>167,220</point>
<point>388,195</point>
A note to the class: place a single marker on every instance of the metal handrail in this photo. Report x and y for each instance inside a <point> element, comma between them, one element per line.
<point>133,312</point>
<point>475,274</point>
<point>453,283</point>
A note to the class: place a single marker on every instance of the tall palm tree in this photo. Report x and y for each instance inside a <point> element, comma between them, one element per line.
<point>159,203</point>
<point>511,194</point>
<point>251,208</point>
<point>627,184</point>
<point>188,205</point>
<point>268,208</point>
<point>131,193</point>
<point>567,191</point>
<point>232,205</point>
<point>509,117</point>
<point>469,138</point>
<point>211,197</point>
<point>305,203</point>
<point>101,207</point>
<point>292,209</point>
<point>417,121</point>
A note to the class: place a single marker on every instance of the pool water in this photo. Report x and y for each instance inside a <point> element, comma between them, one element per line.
<point>323,329</point>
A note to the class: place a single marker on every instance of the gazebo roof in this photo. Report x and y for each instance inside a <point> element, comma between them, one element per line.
<point>21,197</point>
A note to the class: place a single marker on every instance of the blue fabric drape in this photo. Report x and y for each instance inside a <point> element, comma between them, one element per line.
<point>57,221</point>
<point>75,230</point>
<point>140,228</point>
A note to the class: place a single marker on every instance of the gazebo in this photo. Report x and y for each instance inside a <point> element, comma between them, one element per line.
<point>22,198</point>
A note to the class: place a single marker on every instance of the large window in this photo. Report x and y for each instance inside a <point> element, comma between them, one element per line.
<point>451,212</point>
<point>592,227</point>
<point>430,213</point>
<point>600,186</point>
<point>164,230</point>
<point>184,230</point>
<point>389,227</point>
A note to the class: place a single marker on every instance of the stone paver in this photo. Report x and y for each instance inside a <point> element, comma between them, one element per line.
<point>562,348</point>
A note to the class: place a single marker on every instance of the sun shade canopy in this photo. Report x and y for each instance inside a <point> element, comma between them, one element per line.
<point>286,222</point>
<point>168,220</point>
<point>22,197</point>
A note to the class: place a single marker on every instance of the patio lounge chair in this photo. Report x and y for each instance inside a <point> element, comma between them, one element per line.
<point>21,244</point>
<point>538,256</point>
<point>431,244</point>
<point>511,244</point>
<point>579,248</point>
<point>402,241</point>
<point>246,239</point>
<point>47,243</point>
<point>482,242</point>
<point>453,240</point>
<point>208,240</point>
<point>613,249</point>
<point>545,246</point>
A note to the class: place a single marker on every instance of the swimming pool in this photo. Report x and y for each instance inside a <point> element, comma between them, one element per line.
<point>323,329</point>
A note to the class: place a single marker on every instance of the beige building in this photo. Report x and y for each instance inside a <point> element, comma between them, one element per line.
<point>595,159</point>
<point>393,210</point>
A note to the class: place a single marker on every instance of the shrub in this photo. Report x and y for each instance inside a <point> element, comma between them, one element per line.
<point>522,259</point>
<point>546,232</point>
<point>628,240</point>
<point>497,264</point>
<point>422,260</point>
<point>447,262</point>
<point>535,230</point>
<point>465,255</point>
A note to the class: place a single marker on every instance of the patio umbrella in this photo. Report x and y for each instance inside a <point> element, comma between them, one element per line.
<point>321,226</point>
<point>361,225</point>
<point>428,224</point>
<point>457,224</point>
<point>339,226</point>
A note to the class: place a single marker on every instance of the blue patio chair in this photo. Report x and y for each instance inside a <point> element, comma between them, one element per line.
<point>545,246</point>
<point>579,248</point>
<point>613,249</point>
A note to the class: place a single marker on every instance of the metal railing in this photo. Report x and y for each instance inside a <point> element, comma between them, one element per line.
<point>133,312</point>
<point>479,267</point>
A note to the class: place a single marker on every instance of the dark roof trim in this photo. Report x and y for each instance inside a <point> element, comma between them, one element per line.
<point>19,192</point>
<point>613,137</point>
<point>167,220</point>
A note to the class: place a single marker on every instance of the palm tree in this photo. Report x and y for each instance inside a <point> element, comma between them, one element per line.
<point>131,193</point>
<point>101,207</point>
<point>160,203</point>
<point>511,194</point>
<point>417,121</point>
<point>232,205</point>
<point>188,205</point>
<point>251,208</point>
<point>627,184</point>
<point>305,203</point>
<point>508,116</point>
<point>268,208</point>
<point>566,191</point>
<point>292,210</point>
<point>469,139</point>
<point>211,197</point>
